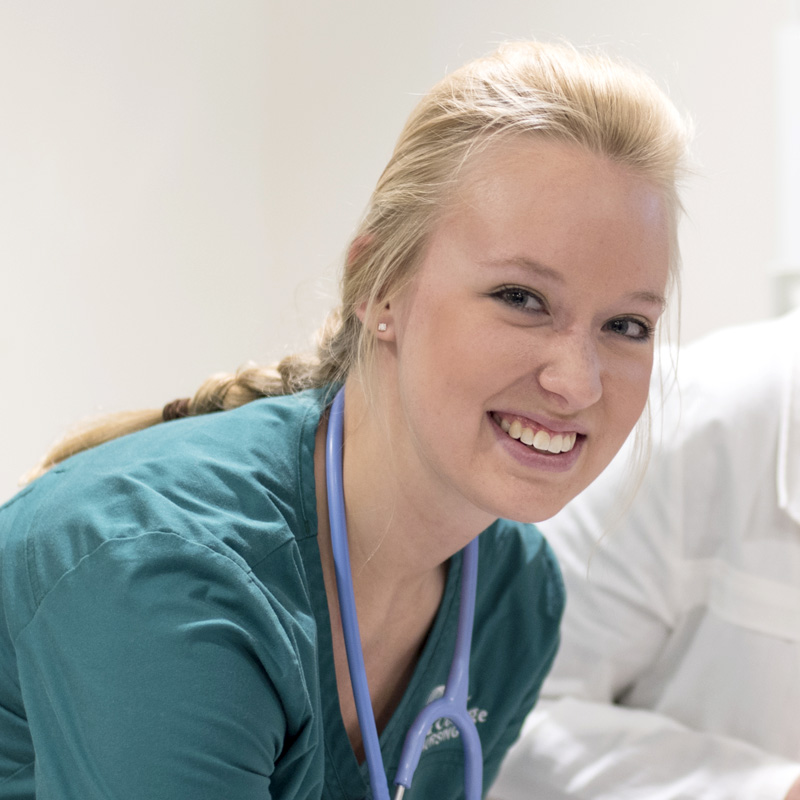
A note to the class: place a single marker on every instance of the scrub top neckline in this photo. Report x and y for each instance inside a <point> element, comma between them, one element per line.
<point>352,776</point>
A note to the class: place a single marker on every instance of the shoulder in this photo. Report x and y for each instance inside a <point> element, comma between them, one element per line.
<point>518,612</point>
<point>144,626</point>
<point>724,406</point>
<point>224,488</point>
<point>518,570</point>
<point>514,545</point>
<point>729,377</point>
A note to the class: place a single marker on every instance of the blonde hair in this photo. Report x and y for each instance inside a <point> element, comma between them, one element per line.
<point>550,91</point>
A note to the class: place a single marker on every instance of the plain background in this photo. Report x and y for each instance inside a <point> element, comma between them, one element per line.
<point>179,178</point>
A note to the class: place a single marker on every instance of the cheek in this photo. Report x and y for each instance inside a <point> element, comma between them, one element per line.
<point>426,343</point>
<point>628,394</point>
<point>435,334</point>
<point>445,368</point>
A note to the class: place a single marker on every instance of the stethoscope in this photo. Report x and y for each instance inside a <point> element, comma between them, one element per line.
<point>453,704</point>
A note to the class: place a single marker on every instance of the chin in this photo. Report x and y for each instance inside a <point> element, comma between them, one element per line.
<point>538,511</point>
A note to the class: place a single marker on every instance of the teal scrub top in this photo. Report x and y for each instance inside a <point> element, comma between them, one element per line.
<point>164,629</point>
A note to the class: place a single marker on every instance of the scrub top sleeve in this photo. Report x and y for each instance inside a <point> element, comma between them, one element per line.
<point>149,670</point>
<point>494,758</point>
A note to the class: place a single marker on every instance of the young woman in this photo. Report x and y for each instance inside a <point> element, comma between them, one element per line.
<point>170,618</point>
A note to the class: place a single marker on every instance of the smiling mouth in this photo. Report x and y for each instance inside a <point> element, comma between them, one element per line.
<point>540,440</point>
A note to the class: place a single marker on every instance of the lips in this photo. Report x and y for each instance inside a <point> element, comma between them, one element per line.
<point>535,436</point>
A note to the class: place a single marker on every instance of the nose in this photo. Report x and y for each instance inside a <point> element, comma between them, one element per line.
<point>571,370</point>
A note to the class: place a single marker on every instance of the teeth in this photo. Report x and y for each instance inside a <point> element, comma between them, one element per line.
<point>540,440</point>
<point>555,443</point>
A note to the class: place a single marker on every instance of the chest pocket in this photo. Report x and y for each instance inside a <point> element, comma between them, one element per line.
<point>745,600</point>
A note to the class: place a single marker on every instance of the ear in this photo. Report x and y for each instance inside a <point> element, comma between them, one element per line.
<point>381,320</point>
<point>380,317</point>
<point>357,247</point>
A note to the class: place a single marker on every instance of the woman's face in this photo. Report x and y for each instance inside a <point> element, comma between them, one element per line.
<point>519,358</point>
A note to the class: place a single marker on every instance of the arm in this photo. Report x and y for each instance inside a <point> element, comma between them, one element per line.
<point>151,676</point>
<point>595,751</point>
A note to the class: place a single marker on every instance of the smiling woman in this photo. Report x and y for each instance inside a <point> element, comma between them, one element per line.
<point>541,284</point>
<point>171,620</point>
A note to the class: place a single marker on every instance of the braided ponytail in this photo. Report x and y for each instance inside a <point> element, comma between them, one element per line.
<point>220,392</point>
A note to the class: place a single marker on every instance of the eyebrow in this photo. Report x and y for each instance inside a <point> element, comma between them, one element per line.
<point>536,267</point>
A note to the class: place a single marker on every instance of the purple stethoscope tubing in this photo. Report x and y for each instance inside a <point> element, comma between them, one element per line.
<point>453,704</point>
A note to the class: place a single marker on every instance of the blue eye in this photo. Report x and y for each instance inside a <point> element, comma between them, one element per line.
<point>519,298</point>
<point>631,328</point>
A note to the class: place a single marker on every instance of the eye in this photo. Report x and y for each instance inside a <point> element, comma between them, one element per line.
<point>519,298</point>
<point>631,328</point>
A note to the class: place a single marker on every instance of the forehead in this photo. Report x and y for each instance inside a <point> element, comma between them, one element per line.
<point>541,172</point>
<point>562,207</point>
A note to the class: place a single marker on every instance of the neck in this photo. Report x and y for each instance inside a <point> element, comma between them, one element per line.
<point>400,536</point>
<point>402,525</point>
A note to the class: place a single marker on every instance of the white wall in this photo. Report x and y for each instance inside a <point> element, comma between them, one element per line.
<point>179,178</point>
